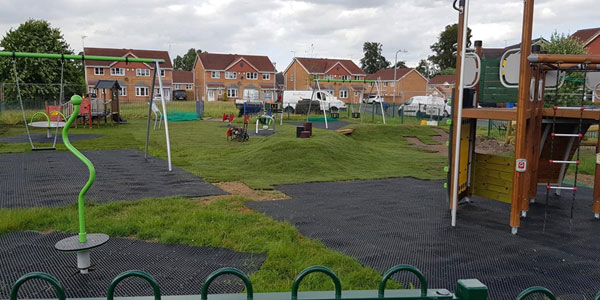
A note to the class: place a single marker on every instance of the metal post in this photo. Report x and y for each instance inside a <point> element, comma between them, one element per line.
<point>395,83</point>
<point>164,106</point>
<point>465,17</point>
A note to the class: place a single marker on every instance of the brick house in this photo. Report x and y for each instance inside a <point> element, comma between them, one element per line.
<point>135,79</point>
<point>184,80</point>
<point>409,82</point>
<point>441,86</point>
<point>590,38</point>
<point>250,77</point>
<point>298,74</point>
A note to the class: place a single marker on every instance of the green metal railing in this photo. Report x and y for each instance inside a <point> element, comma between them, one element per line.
<point>466,289</point>
<point>78,57</point>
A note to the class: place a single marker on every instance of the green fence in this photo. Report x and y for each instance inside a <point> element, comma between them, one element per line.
<point>466,289</point>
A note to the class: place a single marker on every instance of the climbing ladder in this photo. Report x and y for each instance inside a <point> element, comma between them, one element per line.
<point>575,139</point>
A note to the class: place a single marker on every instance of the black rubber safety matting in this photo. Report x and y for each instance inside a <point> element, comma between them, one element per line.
<point>54,178</point>
<point>178,269</point>
<point>41,138</point>
<point>321,125</point>
<point>383,223</point>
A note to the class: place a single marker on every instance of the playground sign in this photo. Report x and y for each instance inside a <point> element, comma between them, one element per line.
<point>521,165</point>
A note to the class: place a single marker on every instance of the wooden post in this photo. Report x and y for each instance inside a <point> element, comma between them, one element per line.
<point>537,114</point>
<point>520,190</point>
<point>596,208</point>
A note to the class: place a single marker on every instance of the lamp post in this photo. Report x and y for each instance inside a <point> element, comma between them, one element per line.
<point>395,83</point>
<point>84,69</point>
<point>295,64</point>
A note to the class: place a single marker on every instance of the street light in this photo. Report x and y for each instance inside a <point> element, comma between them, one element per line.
<point>295,64</point>
<point>84,69</point>
<point>396,68</point>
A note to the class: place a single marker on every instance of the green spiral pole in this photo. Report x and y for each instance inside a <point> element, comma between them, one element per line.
<point>76,101</point>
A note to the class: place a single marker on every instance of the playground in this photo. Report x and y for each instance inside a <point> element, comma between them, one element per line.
<point>93,192</point>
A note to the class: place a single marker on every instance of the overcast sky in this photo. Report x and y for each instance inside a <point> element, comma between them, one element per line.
<point>313,28</point>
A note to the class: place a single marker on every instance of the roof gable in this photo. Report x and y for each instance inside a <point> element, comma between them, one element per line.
<point>338,69</point>
<point>442,79</point>
<point>241,65</point>
<point>155,54</point>
<point>322,65</point>
<point>220,62</point>
<point>586,36</point>
<point>388,74</point>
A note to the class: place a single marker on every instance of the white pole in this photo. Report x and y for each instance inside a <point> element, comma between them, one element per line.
<point>164,107</point>
<point>381,98</point>
<point>459,113</point>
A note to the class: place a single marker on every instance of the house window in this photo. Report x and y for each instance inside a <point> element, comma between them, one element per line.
<point>156,91</point>
<point>215,74</point>
<point>163,73</point>
<point>232,93</point>
<point>356,94</point>
<point>356,77</point>
<point>328,77</point>
<point>266,76</point>
<point>117,71</point>
<point>267,94</point>
<point>98,71</point>
<point>371,83</point>
<point>251,94</point>
<point>142,72</point>
<point>189,87</point>
<point>230,75</point>
<point>123,91</point>
<point>385,83</point>
<point>345,77</point>
<point>343,93</point>
<point>141,91</point>
<point>92,90</point>
<point>178,86</point>
<point>251,75</point>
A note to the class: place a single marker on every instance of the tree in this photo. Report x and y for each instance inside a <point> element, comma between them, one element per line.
<point>448,71</point>
<point>570,93</point>
<point>186,63</point>
<point>38,36</point>
<point>373,61</point>
<point>444,49</point>
<point>401,64</point>
<point>427,69</point>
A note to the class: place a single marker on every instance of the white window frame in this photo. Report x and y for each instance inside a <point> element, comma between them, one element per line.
<point>356,77</point>
<point>232,93</point>
<point>385,83</point>
<point>356,93</point>
<point>117,71</point>
<point>252,75</point>
<point>123,91</point>
<point>343,94</point>
<point>189,86</point>
<point>139,89</point>
<point>163,73</point>
<point>266,76</point>
<point>215,74</point>
<point>328,77</point>
<point>142,72</point>
<point>98,71</point>
<point>345,77</point>
<point>177,86</point>
<point>230,75</point>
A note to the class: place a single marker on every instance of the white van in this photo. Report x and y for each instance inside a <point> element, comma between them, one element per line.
<point>425,106</point>
<point>327,100</point>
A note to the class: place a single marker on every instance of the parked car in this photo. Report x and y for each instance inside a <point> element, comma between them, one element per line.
<point>425,106</point>
<point>373,99</point>
<point>179,95</point>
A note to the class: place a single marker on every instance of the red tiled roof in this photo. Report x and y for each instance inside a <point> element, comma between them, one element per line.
<point>183,76</point>
<point>441,79</point>
<point>217,61</point>
<point>388,74</point>
<point>586,35</point>
<point>321,65</point>
<point>159,54</point>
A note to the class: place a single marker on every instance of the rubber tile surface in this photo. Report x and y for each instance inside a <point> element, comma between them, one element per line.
<point>54,178</point>
<point>321,125</point>
<point>383,223</point>
<point>178,269</point>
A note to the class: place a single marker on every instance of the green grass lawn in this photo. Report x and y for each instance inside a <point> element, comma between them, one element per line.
<point>372,151</point>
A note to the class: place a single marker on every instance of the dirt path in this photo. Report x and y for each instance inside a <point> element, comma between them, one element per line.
<point>440,147</point>
<point>236,188</point>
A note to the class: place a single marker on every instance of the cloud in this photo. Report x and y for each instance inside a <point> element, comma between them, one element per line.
<point>319,28</point>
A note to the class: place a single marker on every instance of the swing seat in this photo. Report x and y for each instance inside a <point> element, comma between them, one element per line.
<point>335,115</point>
<point>356,115</point>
